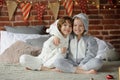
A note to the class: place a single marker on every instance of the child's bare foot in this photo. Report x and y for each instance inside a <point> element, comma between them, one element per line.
<point>78,71</point>
<point>92,71</point>
<point>31,69</point>
<point>45,68</point>
<point>28,68</point>
<point>56,70</point>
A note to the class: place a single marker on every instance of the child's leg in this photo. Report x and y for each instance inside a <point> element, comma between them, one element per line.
<point>93,64</point>
<point>30,62</point>
<point>64,65</point>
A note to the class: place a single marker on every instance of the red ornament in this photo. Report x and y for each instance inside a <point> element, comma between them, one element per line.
<point>112,1</point>
<point>1,4</point>
<point>25,7</point>
<point>83,5</point>
<point>109,77</point>
<point>68,4</point>
<point>40,9</point>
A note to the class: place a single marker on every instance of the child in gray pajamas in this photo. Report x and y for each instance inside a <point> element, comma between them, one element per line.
<point>82,50</point>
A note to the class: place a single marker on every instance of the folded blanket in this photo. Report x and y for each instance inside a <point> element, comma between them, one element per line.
<point>12,54</point>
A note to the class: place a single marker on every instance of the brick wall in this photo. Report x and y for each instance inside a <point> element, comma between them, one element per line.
<point>104,22</point>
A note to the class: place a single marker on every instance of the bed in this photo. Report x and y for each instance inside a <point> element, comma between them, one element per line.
<point>30,41</point>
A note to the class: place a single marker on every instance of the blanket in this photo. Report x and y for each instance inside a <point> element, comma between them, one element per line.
<point>12,54</point>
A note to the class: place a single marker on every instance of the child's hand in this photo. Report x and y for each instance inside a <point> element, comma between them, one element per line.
<point>56,41</point>
<point>63,50</point>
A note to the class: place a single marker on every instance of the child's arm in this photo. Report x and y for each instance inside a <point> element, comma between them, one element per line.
<point>64,50</point>
<point>56,41</point>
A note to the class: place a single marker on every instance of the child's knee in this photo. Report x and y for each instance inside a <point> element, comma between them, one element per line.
<point>23,59</point>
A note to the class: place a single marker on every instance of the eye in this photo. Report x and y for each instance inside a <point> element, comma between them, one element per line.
<point>64,24</point>
<point>80,25</point>
<point>75,25</point>
<point>70,26</point>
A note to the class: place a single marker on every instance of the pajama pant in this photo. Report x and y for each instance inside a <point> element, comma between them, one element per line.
<point>31,62</point>
<point>35,63</point>
<point>67,65</point>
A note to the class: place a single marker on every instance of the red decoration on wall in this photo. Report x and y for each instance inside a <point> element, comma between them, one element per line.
<point>40,9</point>
<point>25,10</point>
<point>68,4</point>
<point>112,1</point>
<point>1,3</point>
<point>83,5</point>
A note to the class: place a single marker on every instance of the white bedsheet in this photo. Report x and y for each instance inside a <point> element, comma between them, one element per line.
<point>8,38</point>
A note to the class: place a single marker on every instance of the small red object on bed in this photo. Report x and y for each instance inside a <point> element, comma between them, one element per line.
<point>109,76</point>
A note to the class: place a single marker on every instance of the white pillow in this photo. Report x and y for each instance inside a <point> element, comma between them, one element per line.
<point>106,50</point>
<point>8,38</point>
<point>103,46</point>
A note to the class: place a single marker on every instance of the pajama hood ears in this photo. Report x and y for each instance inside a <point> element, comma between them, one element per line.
<point>84,18</point>
<point>53,30</point>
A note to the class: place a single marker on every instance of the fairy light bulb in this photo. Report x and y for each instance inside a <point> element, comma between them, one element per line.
<point>104,7</point>
<point>115,6</point>
<point>98,6</point>
<point>93,2</point>
<point>109,8</point>
<point>87,1</point>
<point>76,3</point>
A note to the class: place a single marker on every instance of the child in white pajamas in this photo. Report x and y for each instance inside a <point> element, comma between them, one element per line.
<point>61,28</point>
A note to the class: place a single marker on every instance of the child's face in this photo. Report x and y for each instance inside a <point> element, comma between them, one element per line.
<point>66,28</point>
<point>78,27</point>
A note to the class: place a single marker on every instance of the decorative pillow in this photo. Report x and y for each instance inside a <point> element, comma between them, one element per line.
<point>106,51</point>
<point>8,38</point>
<point>12,54</point>
<point>38,42</point>
<point>111,55</point>
<point>27,30</point>
<point>42,29</point>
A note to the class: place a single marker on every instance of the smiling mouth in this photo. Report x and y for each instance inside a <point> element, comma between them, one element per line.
<point>77,30</point>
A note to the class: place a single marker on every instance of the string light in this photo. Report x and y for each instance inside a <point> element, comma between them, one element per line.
<point>93,2</point>
<point>119,1</point>
<point>104,7</point>
<point>115,6</point>
<point>98,6</point>
<point>109,8</point>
